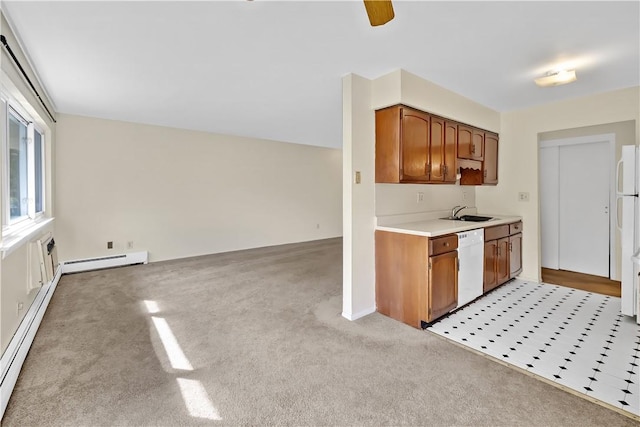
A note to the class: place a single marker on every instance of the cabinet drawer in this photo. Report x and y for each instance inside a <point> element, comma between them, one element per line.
<point>440,245</point>
<point>515,228</point>
<point>497,232</point>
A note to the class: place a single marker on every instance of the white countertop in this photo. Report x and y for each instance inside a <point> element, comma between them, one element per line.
<point>439,227</point>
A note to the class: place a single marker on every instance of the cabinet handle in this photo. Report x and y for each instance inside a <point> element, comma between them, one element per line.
<point>446,244</point>
<point>446,169</point>
<point>473,149</point>
<point>427,168</point>
<point>510,247</point>
<point>485,173</point>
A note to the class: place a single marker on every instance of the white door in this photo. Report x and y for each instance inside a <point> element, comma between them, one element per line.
<point>584,183</point>
<point>549,206</point>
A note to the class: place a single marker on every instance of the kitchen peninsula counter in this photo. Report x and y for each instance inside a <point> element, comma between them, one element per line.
<point>440,227</point>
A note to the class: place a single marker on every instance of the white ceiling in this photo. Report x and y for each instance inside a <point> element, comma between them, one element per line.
<point>273,70</point>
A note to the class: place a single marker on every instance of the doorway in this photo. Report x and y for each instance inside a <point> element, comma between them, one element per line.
<point>576,201</point>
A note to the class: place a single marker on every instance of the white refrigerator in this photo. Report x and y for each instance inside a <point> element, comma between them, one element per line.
<point>628,182</point>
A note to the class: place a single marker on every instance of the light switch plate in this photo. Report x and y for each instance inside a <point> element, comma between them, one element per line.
<point>357,177</point>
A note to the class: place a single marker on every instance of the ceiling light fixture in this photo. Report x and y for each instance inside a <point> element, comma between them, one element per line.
<point>555,78</point>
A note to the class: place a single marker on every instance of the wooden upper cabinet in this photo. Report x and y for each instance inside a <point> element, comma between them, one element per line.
<point>465,137</point>
<point>436,150</point>
<point>414,152</point>
<point>450,151</point>
<point>414,147</point>
<point>443,151</point>
<point>388,145</point>
<point>477,144</point>
<point>470,143</point>
<point>402,139</point>
<point>490,164</point>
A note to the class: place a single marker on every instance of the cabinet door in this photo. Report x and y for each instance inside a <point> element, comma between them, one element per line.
<point>477,144</point>
<point>515,255</point>
<point>490,164</point>
<point>465,136</point>
<point>450,151</point>
<point>490,279</point>
<point>443,284</point>
<point>414,153</point>
<point>388,123</point>
<point>436,150</point>
<point>503,271</point>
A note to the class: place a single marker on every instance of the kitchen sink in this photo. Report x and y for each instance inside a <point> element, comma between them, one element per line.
<point>470,218</point>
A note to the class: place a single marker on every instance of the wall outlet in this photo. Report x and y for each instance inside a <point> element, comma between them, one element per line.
<point>523,196</point>
<point>19,308</point>
<point>109,245</point>
<point>130,245</point>
<point>419,197</point>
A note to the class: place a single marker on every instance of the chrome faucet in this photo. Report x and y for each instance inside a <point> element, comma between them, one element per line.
<point>456,210</point>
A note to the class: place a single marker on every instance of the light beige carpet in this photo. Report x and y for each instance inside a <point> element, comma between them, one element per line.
<point>258,339</point>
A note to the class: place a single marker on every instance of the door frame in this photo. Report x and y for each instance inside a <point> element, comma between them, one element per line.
<point>609,138</point>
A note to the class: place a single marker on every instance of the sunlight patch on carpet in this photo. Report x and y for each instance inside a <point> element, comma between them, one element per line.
<point>151,306</point>
<point>197,400</point>
<point>174,352</point>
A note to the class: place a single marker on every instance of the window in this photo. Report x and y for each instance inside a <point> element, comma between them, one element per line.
<point>18,174</point>
<point>38,157</point>
<point>23,192</point>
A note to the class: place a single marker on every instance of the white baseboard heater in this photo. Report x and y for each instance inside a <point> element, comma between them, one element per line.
<point>105,262</point>
<point>16,352</point>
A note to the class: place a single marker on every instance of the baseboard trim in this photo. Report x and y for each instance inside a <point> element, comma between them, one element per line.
<point>98,263</point>
<point>16,352</point>
<point>359,314</point>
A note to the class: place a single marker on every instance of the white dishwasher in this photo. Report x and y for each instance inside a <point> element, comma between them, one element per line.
<point>471,269</point>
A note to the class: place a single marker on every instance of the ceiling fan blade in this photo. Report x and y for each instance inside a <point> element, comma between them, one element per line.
<point>380,11</point>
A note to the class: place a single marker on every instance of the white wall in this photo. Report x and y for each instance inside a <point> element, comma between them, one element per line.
<point>424,95</point>
<point>15,287</point>
<point>15,267</point>
<point>179,193</point>
<point>518,156</point>
<point>358,199</point>
<point>401,199</point>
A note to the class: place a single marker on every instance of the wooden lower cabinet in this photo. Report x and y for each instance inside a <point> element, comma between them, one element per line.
<point>502,254</point>
<point>416,277</point>
<point>502,261</point>
<point>443,284</point>
<point>515,254</point>
<point>490,279</point>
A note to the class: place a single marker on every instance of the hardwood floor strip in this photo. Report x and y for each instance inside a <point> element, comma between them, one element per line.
<point>586,282</point>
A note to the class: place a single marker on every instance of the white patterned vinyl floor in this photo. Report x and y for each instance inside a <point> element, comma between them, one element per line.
<point>575,338</point>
